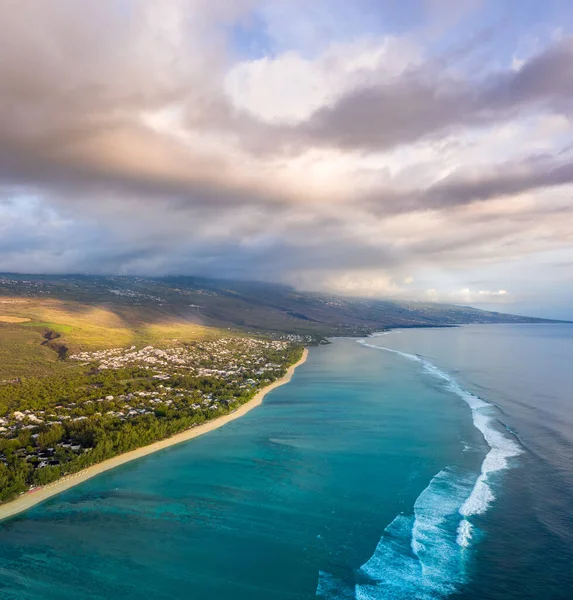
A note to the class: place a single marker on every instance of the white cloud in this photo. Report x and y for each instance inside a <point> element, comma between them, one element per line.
<point>362,283</point>
<point>289,87</point>
<point>493,294</point>
<point>468,296</point>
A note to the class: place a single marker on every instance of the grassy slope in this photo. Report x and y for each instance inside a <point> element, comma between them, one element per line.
<point>21,354</point>
<point>23,348</point>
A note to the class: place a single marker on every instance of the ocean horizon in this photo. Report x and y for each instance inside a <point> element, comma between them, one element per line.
<point>414,464</point>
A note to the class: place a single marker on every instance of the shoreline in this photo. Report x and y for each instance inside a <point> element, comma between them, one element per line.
<point>38,495</point>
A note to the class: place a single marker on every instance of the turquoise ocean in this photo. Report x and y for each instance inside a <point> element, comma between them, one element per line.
<point>417,464</point>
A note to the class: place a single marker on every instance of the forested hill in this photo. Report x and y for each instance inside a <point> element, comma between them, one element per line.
<point>254,307</point>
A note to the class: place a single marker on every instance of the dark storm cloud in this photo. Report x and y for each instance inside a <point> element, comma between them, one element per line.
<point>463,188</point>
<point>504,180</point>
<point>429,101</point>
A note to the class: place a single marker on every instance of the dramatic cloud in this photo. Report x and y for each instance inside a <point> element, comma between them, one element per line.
<point>349,147</point>
<point>479,184</point>
<point>430,99</point>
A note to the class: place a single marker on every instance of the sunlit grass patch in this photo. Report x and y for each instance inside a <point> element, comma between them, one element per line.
<point>22,355</point>
<point>8,319</point>
<point>57,327</point>
<point>169,333</point>
<point>79,327</point>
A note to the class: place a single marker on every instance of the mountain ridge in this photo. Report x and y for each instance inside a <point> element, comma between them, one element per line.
<point>246,306</point>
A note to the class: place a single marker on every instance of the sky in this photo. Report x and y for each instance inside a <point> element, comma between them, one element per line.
<point>407,149</point>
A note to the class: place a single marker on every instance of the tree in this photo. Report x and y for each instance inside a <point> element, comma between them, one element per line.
<point>51,437</point>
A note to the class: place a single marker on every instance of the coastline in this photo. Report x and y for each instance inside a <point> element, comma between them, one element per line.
<point>38,495</point>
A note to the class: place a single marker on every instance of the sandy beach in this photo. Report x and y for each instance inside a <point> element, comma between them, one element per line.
<point>38,495</point>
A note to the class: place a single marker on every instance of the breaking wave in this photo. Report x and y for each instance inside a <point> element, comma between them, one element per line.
<point>423,556</point>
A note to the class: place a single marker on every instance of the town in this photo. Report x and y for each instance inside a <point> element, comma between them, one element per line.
<point>119,399</point>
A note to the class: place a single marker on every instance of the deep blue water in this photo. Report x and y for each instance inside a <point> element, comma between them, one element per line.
<point>437,464</point>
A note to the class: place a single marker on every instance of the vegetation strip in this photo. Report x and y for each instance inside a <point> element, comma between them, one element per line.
<point>40,494</point>
<point>121,399</point>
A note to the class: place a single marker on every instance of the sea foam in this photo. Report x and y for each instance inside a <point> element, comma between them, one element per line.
<point>423,556</point>
<point>418,557</point>
<point>501,446</point>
